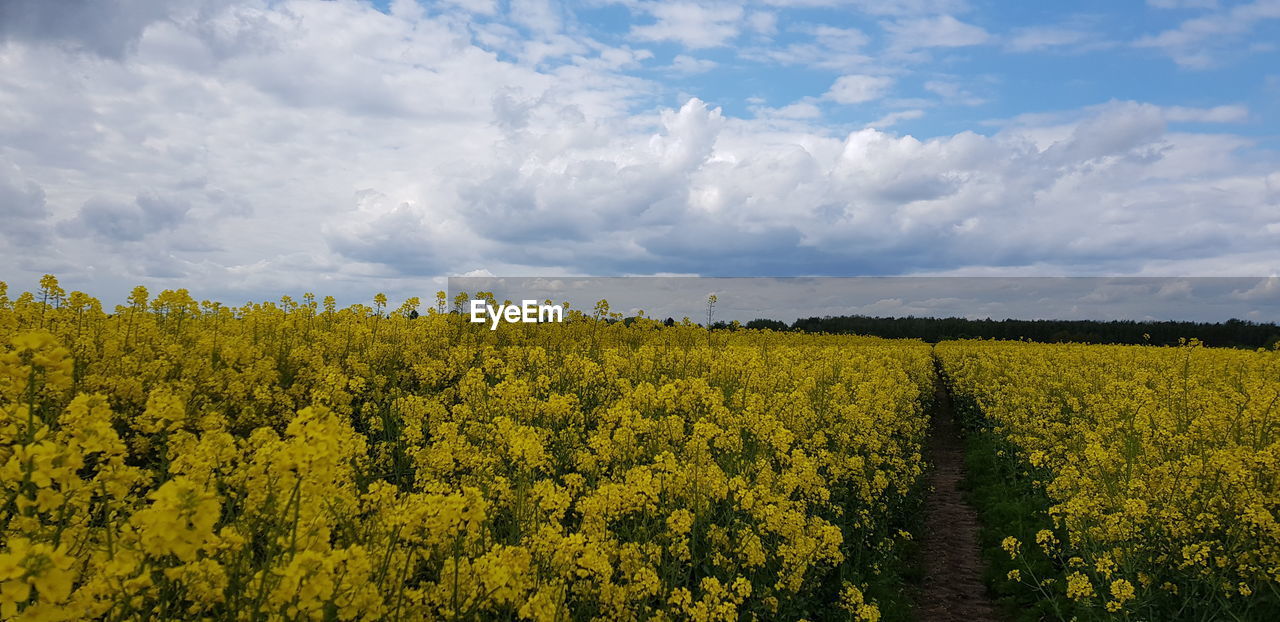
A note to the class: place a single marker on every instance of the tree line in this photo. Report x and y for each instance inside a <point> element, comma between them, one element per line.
<point>1233,333</point>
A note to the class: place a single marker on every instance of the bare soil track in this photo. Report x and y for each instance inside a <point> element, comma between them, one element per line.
<point>953,589</point>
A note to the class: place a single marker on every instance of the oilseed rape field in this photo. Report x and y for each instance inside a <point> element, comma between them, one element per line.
<point>1158,470</point>
<point>170,458</point>
<point>292,460</point>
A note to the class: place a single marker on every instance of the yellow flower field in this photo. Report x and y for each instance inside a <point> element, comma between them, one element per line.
<point>1160,467</point>
<point>178,459</point>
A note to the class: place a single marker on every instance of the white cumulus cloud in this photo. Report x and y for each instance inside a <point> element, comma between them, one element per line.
<point>857,89</point>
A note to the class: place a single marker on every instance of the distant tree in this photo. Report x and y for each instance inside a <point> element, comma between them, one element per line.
<point>1234,333</point>
<point>767,324</point>
<point>669,322</point>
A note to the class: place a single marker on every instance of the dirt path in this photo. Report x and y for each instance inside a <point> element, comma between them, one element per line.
<point>953,588</point>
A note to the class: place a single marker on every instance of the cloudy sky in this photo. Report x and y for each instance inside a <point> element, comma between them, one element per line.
<point>248,148</point>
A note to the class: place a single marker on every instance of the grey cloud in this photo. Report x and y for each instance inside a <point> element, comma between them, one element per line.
<point>711,242</point>
<point>22,204</point>
<point>226,204</point>
<point>21,198</point>
<point>126,222</point>
<point>164,267</point>
<point>161,212</point>
<point>395,236</point>
<point>511,113</point>
<point>107,27</point>
<point>115,28</point>
<point>908,188</point>
<point>1265,290</point>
